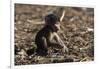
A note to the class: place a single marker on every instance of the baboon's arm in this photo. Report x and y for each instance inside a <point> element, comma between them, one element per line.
<point>51,43</point>
<point>58,39</point>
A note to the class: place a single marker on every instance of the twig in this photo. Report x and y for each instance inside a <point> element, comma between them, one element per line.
<point>83,59</point>
<point>62,17</point>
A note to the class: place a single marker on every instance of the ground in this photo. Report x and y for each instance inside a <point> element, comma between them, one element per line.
<point>77,33</point>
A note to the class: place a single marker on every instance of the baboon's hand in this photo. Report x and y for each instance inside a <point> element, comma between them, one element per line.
<point>65,49</point>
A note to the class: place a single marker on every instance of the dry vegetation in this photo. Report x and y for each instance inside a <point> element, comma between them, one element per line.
<point>77,33</point>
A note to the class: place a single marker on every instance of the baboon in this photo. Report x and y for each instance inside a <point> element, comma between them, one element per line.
<point>47,34</point>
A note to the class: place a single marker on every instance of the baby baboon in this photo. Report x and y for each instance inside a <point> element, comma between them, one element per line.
<point>47,34</point>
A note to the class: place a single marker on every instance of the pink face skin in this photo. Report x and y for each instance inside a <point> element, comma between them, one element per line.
<point>56,27</point>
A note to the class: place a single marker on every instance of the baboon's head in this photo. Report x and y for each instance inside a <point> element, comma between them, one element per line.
<point>53,21</point>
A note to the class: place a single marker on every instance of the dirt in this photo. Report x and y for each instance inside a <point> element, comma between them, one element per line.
<point>77,33</point>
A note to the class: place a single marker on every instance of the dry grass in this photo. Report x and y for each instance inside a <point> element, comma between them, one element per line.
<point>77,33</point>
